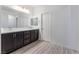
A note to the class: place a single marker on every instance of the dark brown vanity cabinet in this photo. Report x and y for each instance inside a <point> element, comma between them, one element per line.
<point>34,35</point>
<point>11,41</point>
<point>18,39</point>
<point>15,40</point>
<point>26,37</point>
<point>7,43</point>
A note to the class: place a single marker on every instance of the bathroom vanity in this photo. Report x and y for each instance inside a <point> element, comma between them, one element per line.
<point>15,39</point>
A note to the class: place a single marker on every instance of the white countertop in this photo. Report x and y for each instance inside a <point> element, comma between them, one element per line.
<point>9,30</point>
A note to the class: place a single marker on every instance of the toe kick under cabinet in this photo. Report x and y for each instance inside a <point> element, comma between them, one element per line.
<point>12,41</point>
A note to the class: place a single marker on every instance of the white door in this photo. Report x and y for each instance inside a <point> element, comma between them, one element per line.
<point>46,26</point>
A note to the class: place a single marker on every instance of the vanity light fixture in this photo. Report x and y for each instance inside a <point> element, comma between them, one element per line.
<point>22,9</point>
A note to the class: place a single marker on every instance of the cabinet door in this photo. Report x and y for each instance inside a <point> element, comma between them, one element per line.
<point>26,37</point>
<point>36,34</point>
<point>32,35</point>
<point>7,43</point>
<point>18,39</point>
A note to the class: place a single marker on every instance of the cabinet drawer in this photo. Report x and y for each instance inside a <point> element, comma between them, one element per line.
<point>26,36</point>
<point>27,33</point>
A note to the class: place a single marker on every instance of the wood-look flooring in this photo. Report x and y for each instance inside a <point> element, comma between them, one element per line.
<point>44,47</point>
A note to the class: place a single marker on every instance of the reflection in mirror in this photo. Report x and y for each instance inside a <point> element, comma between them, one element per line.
<point>34,21</point>
<point>11,21</point>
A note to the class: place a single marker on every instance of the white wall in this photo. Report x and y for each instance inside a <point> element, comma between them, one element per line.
<point>75,25</point>
<point>65,25</point>
<point>50,9</point>
<point>62,27</point>
<point>38,10</point>
<point>0,32</point>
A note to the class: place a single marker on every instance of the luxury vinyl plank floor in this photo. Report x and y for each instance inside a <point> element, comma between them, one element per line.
<point>44,47</point>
